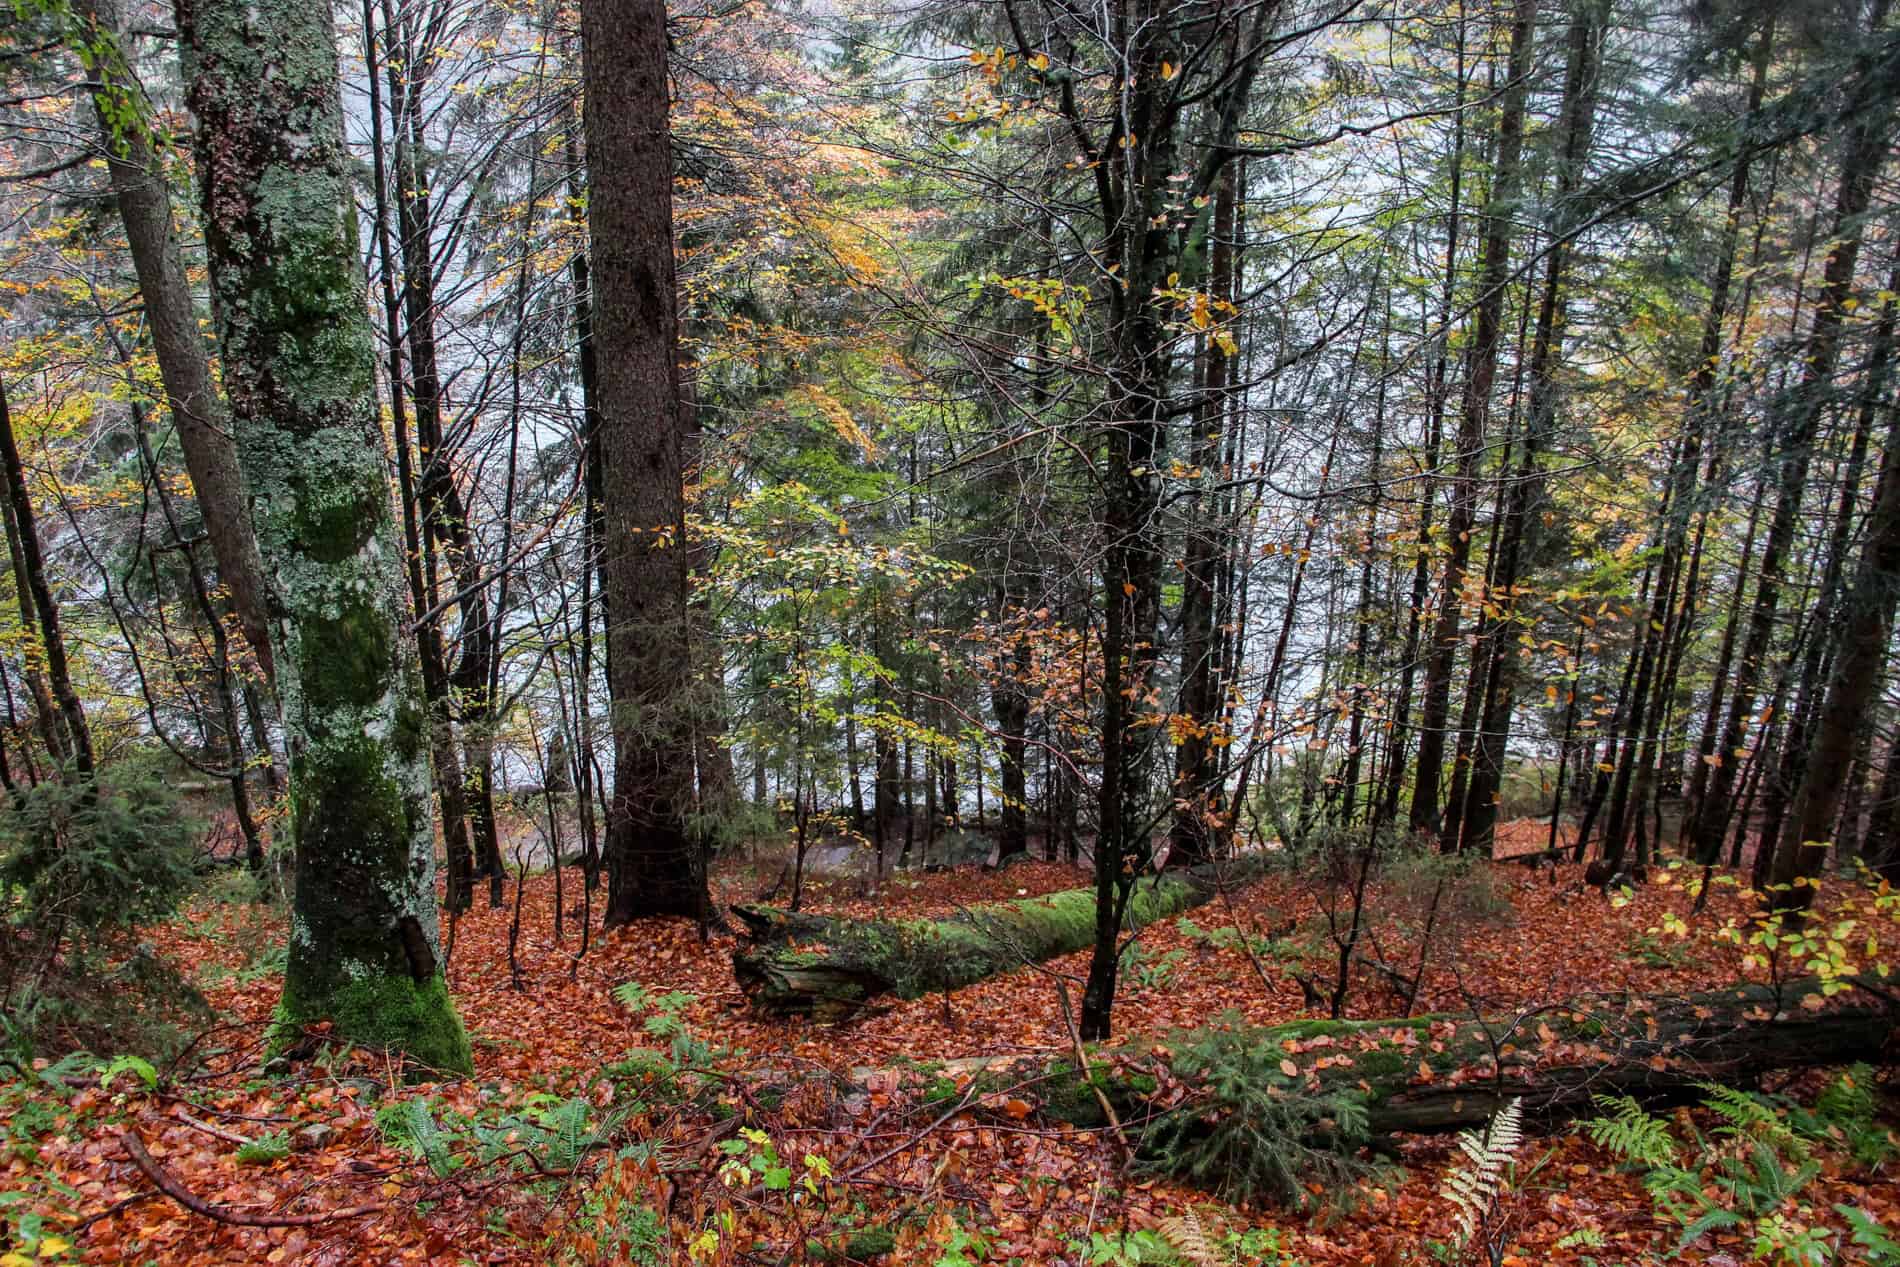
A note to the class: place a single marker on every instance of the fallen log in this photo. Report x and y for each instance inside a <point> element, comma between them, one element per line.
<point>1260,1111</point>
<point>1430,1074</point>
<point>821,964</point>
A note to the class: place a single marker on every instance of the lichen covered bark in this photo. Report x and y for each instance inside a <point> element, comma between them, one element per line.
<point>299,374</point>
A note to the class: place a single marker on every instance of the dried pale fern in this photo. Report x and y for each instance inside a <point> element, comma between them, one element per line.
<point>1475,1186</point>
<point>1186,1233</point>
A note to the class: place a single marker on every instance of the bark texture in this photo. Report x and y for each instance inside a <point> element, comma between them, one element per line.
<point>1487,338</point>
<point>654,864</point>
<point>280,231</point>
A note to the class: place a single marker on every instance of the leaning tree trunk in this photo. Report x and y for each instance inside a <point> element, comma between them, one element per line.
<point>654,864</point>
<point>299,366</point>
<point>1852,690</point>
<point>858,960</point>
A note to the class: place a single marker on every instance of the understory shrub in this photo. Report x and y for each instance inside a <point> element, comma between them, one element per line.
<point>1254,1133</point>
<point>83,865</point>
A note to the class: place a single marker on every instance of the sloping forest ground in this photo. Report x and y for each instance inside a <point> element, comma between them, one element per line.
<point>579,1140</point>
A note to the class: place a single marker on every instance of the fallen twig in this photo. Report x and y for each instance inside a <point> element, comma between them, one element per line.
<point>168,1184</point>
<point>216,1131</point>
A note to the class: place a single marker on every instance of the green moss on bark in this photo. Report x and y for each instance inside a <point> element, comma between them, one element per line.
<point>387,1013</point>
<point>911,958</point>
<point>299,368</point>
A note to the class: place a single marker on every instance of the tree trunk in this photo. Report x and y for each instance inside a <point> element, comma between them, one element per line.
<point>77,736</point>
<point>198,411</point>
<point>1009,696</point>
<point>1487,337</point>
<point>861,959</point>
<point>1854,686</point>
<point>446,764</point>
<point>1436,1074</point>
<point>1197,792</point>
<point>1867,144</point>
<point>1438,391</point>
<point>46,719</point>
<point>1522,535</point>
<point>299,362</point>
<point>655,866</point>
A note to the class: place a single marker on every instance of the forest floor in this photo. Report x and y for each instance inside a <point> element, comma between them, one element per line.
<point>953,1189</point>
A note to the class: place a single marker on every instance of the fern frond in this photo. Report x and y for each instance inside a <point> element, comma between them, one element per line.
<point>568,1134</point>
<point>1632,1132</point>
<point>1474,1188</point>
<point>1189,1238</point>
<point>1746,1116</point>
<point>1717,1218</point>
<point>427,1138</point>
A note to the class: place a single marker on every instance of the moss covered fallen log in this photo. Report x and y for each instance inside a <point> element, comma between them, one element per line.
<point>794,963</point>
<point>1260,1111</point>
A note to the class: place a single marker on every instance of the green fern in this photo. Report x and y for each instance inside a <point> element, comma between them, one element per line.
<point>264,1150</point>
<point>1762,1181</point>
<point>1749,1117</point>
<point>1632,1132</point>
<point>1475,1186</point>
<point>1849,1097</point>
<point>426,1138</point>
<point>1847,1115</point>
<point>1878,1247</point>
<point>568,1135</point>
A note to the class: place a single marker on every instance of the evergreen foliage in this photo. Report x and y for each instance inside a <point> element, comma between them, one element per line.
<point>83,864</point>
<point>1252,1133</point>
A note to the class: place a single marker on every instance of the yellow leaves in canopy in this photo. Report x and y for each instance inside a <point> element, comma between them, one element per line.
<point>835,413</point>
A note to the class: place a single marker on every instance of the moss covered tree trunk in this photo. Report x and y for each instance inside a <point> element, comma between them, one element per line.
<point>287,284</point>
<point>831,967</point>
<point>1349,1081</point>
<point>655,866</point>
